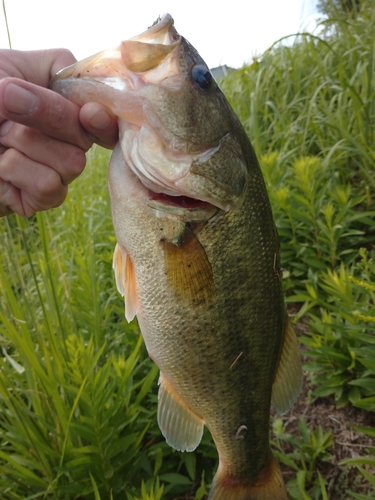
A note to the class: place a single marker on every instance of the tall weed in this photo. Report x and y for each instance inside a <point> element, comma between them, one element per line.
<point>342,338</point>
<point>315,97</point>
<point>73,393</point>
<point>77,390</point>
<point>309,108</point>
<point>320,220</point>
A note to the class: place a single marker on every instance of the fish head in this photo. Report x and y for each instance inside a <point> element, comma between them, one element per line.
<point>177,132</point>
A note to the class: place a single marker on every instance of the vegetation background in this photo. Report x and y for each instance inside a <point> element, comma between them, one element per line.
<point>77,390</point>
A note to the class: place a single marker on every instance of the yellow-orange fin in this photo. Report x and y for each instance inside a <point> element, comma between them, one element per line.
<point>269,485</point>
<point>181,427</point>
<point>288,380</point>
<point>125,281</point>
<point>188,269</point>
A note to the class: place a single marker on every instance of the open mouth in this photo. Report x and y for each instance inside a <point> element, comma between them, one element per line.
<point>179,201</point>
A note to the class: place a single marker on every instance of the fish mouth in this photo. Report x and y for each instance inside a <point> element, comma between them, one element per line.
<point>184,207</point>
<point>179,201</point>
<point>116,67</point>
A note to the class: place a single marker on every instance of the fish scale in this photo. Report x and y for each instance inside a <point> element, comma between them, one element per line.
<point>197,258</point>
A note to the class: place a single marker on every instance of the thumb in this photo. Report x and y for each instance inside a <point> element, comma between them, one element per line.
<point>101,123</point>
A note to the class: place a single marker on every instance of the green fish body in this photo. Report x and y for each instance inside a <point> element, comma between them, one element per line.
<point>197,258</point>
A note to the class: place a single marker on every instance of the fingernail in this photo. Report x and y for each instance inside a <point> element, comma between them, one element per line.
<point>101,120</point>
<point>19,100</point>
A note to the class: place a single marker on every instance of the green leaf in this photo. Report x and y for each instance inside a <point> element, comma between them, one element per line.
<point>359,461</point>
<point>322,484</point>
<point>370,477</point>
<point>95,488</point>
<point>359,496</point>
<point>366,403</point>
<point>370,431</point>
<point>301,482</point>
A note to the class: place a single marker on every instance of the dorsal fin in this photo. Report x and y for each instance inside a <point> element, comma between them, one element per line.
<point>125,281</point>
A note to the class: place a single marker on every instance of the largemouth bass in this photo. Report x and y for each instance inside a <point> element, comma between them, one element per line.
<point>197,257</point>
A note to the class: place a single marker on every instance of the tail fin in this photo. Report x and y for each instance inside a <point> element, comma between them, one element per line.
<point>268,486</point>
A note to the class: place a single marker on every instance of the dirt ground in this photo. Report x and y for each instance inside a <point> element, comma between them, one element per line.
<point>347,442</point>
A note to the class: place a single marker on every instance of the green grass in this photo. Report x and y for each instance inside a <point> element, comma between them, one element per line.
<point>77,390</point>
<point>71,389</point>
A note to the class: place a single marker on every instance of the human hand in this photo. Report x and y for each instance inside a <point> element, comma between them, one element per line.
<point>43,136</point>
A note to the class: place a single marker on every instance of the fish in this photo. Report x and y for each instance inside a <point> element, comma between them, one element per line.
<point>197,256</point>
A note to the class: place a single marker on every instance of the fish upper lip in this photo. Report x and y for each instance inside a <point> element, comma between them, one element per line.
<point>160,32</point>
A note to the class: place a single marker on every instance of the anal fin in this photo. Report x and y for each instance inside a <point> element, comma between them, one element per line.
<point>181,427</point>
<point>125,281</point>
<point>288,380</point>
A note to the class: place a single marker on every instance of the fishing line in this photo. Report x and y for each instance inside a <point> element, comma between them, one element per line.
<point>6,24</point>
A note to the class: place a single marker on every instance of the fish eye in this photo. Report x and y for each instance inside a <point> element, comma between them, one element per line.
<point>201,77</point>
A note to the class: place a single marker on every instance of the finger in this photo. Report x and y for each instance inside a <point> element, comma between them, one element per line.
<point>43,109</point>
<point>100,123</point>
<point>35,66</point>
<point>66,159</point>
<point>27,186</point>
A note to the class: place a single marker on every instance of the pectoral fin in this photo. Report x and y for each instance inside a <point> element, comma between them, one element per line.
<point>288,380</point>
<point>188,269</point>
<point>181,427</point>
<point>125,281</point>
